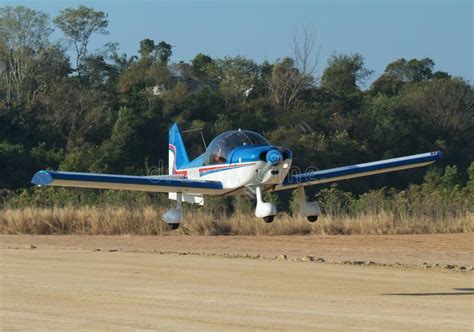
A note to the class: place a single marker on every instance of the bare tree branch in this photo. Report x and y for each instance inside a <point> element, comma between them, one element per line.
<point>291,76</point>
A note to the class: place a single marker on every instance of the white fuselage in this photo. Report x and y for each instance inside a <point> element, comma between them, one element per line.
<point>239,175</point>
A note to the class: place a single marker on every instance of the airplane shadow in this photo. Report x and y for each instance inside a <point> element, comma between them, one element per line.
<point>459,291</point>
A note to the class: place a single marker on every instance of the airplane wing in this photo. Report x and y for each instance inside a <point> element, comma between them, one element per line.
<point>359,170</point>
<point>162,184</point>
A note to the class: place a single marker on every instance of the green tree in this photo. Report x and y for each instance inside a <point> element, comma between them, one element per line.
<point>344,72</point>
<point>147,48</point>
<point>413,70</point>
<point>76,115</point>
<point>15,166</point>
<point>200,65</point>
<point>238,78</point>
<point>446,108</point>
<point>79,25</point>
<point>24,33</point>
<point>52,65</point>
<point>150,51</point>
<point>164,51</point>
<point>402,71</point>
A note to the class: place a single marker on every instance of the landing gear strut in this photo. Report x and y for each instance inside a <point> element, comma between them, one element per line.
<point>173,217</point>
<point>264,210</point>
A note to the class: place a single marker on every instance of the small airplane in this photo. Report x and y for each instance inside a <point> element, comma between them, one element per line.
<point>235,163</point>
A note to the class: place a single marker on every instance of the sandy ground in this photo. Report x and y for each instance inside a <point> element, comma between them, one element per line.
<point>144,283</point>
<point>388,249</point>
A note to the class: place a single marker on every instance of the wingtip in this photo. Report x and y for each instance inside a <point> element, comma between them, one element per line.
<point>437,154</point>
<point>42,178</point>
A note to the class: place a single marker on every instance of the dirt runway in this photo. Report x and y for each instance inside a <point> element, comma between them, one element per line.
<point>64,283</point>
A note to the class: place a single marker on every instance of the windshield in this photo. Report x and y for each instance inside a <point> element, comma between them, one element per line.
<point>219,149</point>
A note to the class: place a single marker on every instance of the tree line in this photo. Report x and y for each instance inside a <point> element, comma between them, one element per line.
<point>106,111</point>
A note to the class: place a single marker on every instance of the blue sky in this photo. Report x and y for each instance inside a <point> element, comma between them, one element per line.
<point>381,31</point>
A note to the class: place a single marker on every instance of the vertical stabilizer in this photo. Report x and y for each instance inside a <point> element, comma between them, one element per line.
<point>177,155</point>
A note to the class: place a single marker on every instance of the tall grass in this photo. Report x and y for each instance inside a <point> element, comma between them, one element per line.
<point>441,204</point>
<point>146,221</point>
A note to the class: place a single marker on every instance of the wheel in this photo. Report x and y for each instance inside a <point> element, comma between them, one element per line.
<point>268,219</point>
<point>312,218</point>
<point>172,227</point>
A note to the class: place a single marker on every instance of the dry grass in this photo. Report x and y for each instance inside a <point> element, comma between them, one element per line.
<point>146,221</point>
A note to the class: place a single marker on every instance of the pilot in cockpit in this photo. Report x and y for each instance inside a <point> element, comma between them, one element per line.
<point>217,157</point>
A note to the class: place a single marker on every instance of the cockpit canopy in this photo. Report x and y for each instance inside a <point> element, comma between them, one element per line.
<point>218,151</point>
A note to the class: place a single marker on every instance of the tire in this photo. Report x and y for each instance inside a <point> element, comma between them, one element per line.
<point>312,218</point>
<point>268,219</point>
<point>172,227</point>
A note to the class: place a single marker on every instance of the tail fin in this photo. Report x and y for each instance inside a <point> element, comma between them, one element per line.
<point>177,155</point>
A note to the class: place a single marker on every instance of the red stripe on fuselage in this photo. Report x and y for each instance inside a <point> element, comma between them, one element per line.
<point>230,166</point>
<point>183,173</point>
<point>175,171</point>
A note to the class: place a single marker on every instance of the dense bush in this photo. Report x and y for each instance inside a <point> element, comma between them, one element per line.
<point>110,112</point>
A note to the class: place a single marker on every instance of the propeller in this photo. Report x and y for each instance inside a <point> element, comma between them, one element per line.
<point>274,157</point>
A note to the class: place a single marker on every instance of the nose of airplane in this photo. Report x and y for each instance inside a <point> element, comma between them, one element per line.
<point>272,155</point>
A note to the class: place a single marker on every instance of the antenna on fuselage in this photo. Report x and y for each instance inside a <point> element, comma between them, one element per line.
<point>200,131</point>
